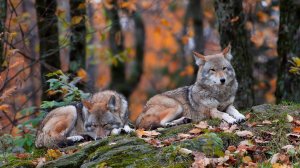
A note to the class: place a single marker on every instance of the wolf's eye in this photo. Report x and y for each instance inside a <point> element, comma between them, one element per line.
<point>224,68</point>
<point>212,70</point>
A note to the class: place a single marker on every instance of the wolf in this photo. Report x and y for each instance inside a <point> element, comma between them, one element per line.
<point>212,95</point>
<point>105,113</point>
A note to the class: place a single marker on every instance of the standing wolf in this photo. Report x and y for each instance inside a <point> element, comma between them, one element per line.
<point>104,114</point>
<point>212,95</point>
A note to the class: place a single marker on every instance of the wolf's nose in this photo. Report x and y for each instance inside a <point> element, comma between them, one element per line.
<point>222,80</point>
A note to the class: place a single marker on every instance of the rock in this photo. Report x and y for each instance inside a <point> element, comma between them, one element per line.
<point>263,108</point>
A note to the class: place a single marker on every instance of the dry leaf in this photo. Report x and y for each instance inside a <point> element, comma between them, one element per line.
<point>141,133</point>
<point>296,129</point>
<point>244,133</point>
<point>247,159</point>
<point>53,154</point>
<point>195,131</point>
<point>252,124</point>
<point>22,155</point>
<point>4,107</point>
<point>287,147</point>
<point>184,136</point>
<point>289,118</point>
<point>201,161</point>
<point>274,158</point>
<point>231,148</point>
<point>267,122</point>
<point>248,115</point>
<point>297,122</point>
<point>202,125</point>
<point>185,151</point>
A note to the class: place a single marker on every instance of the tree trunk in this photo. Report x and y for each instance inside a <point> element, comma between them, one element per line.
<point>288,84</point>
<point>136,74</point>
<point>3,6</point>
<point>232,30</point>
<point>195,12</point>
<point>116,43</point>
<point>78,34</point>
<point>48,34</point>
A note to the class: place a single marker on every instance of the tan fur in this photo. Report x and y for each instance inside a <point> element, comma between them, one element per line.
<point>66,122</point>
<point>212,95</point>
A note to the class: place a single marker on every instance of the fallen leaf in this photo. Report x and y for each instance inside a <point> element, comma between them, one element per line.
<point>267,122</point>
<point>296,129</point>
<point>184,136</point>
<point>244,133</point>
<point>248,115</point>
<point>22,155</point>
<point>287,147</point>
<point>274,158</point>
<point>289,118</point>
<point>4,107</point>
<point>195,131</point>
<point>260,141</point>
<point>53,154</point>
<point>202,125</point>
<point>293,135</point>
<point>154,142</point>
<point>201,161</point>
<point>231,148</point>
<point>247,159</point>
<point>185,151</point>
<point>297,122</point>
<point>141,133</point>
<point>252,124</point>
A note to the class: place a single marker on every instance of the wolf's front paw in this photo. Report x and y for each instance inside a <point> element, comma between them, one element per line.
<point>169,124</point>
<point>75,138</point>
<point>240,117</point>
<point>127,129</point>
<point>229,119</point>
<point>116,131</point>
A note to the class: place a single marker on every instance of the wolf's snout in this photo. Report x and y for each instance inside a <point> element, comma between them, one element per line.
<point>222,80</point>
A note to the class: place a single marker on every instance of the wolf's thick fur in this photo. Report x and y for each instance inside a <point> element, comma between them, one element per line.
<point>212,95</point>
<point>105,113</point>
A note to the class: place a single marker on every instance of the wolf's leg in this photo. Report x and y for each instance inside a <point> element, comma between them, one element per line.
<point>236,114</point>
<point>182,120</point>
<point>127,129</point>
<point>75,138</point>
<point>116,131</point>
<point>223,116</point>
<point>171,114</point>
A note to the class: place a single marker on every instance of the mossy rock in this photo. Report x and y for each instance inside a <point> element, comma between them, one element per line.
<point>131,151</point>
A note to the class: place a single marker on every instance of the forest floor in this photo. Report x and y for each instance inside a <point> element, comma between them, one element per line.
<point>270,137</point>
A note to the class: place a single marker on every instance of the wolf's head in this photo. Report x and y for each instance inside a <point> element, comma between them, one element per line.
<point>101,118</point>
<point>215,69</point>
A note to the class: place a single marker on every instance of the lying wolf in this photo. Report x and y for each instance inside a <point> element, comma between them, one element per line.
<point>212,95</point>
<point>104,114</point>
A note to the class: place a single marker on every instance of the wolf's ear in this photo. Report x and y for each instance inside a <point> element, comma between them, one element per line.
<point>227,52</point>
<point>112,103</point>
<point>88,104</point>
<point>200,59</point>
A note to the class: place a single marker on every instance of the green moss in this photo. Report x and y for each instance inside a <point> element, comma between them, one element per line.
<point>214,122</point>
<point>173,131</point>
<point>229,139</point>
<point>20,163</point>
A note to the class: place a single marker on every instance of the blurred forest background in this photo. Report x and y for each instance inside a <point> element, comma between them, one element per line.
<point>139,48</point>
